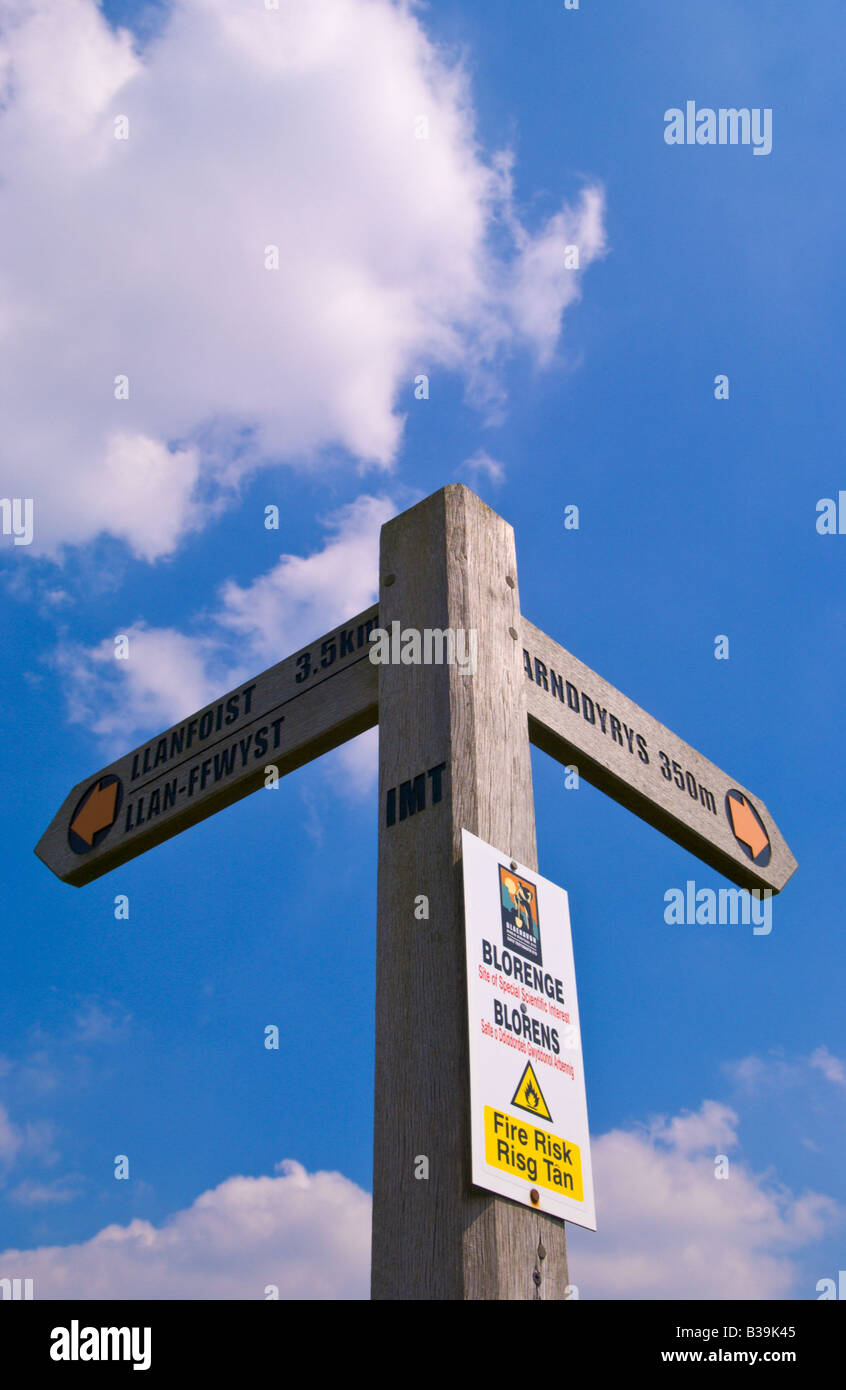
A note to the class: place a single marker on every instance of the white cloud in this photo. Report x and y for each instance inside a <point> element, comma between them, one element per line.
<point>306,1233</point>
<point>169,674</point>
<point>712,1127</point>
<point>668,1228</point>
<point>359,761</point>
<point>304,596</point>
<point>542,286</point>
<point>747,1072</point>
<point>11,1138</point>
<point>33,1139</point>
<point>776,1071</point>
<point>831,1067</point>
<point>145,256</point>
<point>37,1194</point>
<point>93,1024</point>
<point>166,675</point>
<point>481,464</point>
<point>150,491</point>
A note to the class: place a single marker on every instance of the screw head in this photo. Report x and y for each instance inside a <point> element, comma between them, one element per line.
<point>534,1196</point>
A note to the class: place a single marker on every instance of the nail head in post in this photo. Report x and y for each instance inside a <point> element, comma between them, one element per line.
<point>389,580</point>
<point>534,1196</point>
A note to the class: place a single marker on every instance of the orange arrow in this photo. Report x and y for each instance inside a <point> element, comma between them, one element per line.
<point>96,814</point>
<point>745,825</point>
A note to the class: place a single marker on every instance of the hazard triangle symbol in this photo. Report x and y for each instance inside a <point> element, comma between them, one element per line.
<point>529,1095</point>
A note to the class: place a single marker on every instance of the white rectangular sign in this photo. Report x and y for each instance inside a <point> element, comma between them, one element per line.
<point>529,1120</point>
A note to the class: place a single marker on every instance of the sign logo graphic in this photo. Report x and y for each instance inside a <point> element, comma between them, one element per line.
<point>520,925</point>
<point>748,828</point>
<point>95,814</point>
<point>529,1095</point>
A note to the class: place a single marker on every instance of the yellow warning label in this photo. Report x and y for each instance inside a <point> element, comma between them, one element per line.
<point>529,1095</point>
<point>534,1155</point>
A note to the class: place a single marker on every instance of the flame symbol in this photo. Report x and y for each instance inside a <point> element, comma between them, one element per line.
<point>532,1097</point>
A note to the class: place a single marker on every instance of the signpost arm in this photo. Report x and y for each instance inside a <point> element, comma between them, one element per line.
<point>578,718</point>
<point>453,753</point>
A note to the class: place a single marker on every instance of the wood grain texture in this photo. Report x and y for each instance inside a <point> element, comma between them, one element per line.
<point>449,559</point>
<point>567,724</point>
<point>327,706</point>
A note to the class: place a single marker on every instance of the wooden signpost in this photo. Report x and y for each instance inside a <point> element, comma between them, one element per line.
<point>453,755</point>
<point>320,697</point>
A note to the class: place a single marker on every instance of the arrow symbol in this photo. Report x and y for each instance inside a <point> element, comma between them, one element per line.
<point>746,826</point>
<point>97,812</point>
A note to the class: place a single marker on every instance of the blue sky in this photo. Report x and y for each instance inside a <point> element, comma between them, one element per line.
<point>697,517</point>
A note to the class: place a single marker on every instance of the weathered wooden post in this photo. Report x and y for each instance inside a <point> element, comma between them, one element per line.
<point>453,756</point>
<point>453,753</point>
